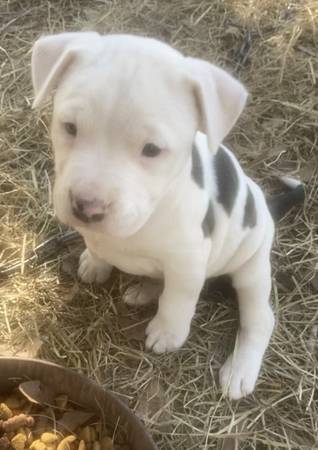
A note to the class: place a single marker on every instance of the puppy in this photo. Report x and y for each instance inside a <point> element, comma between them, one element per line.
<point>143,176</point>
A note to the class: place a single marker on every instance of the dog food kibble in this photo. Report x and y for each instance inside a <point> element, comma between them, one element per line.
<point>15,422</point>
<point>5,412</point>
<point>65,443</point>
<point>49,438</point>
<point>18,441</point>
<point>82,446</point>
<point>31,422</point>
<point>37,445</point>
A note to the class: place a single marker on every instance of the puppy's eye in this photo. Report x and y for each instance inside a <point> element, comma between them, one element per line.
<point>151,150</point>
<point>70,128</point>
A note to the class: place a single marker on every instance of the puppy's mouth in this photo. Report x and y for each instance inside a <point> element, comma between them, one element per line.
<point>121,218</point>
<point>111,224</point>
<point>91,210</point>
<point>82,217</point>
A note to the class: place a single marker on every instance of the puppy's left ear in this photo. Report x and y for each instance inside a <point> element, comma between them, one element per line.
<point>220,99</point>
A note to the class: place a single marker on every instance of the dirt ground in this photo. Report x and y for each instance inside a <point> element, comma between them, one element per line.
<point>272,46</point>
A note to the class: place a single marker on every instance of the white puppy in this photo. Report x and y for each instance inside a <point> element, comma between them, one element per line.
<point>149,192</point>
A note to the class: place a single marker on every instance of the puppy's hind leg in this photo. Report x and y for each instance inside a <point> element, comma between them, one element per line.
<point>253,284</point>
<point>93,269</point>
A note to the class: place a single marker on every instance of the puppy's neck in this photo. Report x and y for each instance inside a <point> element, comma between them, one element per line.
<point>176,193</point>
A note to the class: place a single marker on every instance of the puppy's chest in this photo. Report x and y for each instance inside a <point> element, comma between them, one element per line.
<point>128,258</point>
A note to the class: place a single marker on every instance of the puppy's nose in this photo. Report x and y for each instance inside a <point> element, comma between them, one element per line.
<point>88,210</point>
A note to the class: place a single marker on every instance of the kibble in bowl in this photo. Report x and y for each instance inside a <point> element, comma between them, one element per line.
<point>44,406</point>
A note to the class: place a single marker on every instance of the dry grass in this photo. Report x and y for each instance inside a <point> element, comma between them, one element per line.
<point>272,46</point>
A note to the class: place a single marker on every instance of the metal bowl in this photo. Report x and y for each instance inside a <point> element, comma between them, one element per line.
<point>80,390</point>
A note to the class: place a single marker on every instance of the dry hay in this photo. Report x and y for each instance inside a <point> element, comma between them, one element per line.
<point>272,46</point>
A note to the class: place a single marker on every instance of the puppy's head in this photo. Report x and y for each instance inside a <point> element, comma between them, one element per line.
<point>126,110</point>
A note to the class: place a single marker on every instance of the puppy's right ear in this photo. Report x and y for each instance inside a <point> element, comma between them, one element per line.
<point>51,56</point>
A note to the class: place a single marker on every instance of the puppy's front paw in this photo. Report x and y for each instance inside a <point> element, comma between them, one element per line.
<point>142,293</point>
<point>90,270</point>
<point>239,374</point>
<point>166,335</point>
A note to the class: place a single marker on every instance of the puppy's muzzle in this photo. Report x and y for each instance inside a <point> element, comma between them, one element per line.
<point>88,210</point>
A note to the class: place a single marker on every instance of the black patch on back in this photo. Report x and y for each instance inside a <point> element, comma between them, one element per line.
<point>250,210</point>
<point>197,170</point>
<point>208,221</point>
<point>227,180</point>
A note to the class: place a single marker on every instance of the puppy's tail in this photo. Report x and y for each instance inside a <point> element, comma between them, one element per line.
<point>280,204</point>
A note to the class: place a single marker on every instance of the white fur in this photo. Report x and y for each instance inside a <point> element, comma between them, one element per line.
<point>123,92</point>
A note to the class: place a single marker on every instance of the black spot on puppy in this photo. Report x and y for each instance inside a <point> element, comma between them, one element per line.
<point>227,180</point>
<point>197,170</point>
<point>250,210</point>
<point>208,221</point>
